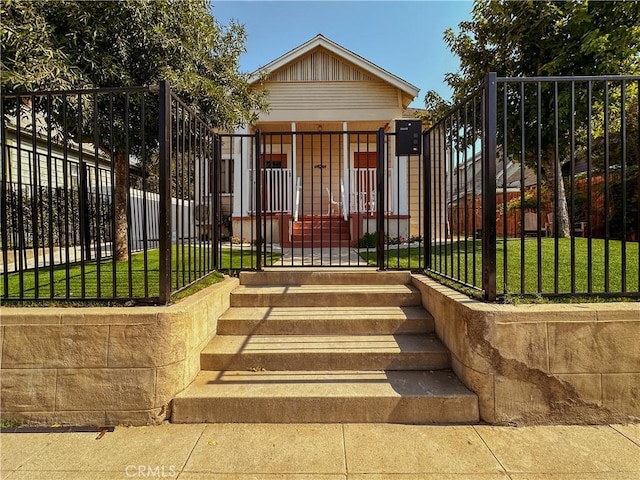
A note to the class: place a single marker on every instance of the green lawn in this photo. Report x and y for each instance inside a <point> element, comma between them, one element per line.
<point>188,264</point>
<point>450,260</point>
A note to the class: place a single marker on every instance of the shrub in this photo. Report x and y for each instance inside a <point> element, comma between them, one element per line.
<point>368,240</point>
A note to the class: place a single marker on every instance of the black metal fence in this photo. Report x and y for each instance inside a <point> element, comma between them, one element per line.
<point>99,193</point>
<point>321,198</point>
<point>527,187</point>
<point>539,188</point>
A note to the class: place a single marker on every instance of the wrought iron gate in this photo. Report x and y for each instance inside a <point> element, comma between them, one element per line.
<point>319,199</point>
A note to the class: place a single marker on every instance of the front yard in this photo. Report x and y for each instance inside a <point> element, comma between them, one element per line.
<point>451,259</point>
<point>188,264</point>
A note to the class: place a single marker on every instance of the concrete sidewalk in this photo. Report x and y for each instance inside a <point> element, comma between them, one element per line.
<point>326,452</point>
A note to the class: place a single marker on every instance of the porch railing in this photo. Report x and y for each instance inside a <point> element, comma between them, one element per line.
<point>276,190</point>
<point>363,195</point>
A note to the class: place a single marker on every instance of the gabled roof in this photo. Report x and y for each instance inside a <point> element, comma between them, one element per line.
<point>348,55</point>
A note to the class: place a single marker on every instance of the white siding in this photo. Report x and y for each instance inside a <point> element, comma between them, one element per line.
<point>332,95</point>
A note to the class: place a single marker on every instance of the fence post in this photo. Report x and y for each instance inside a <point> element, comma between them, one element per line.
<point>215,213</point>
<point>164,228</point>
<point>489,146</point>
<point>258,199</point>
<point>426,182</point>
<point>4,228</point>
<point>380,202</point>
<point>85,218</point>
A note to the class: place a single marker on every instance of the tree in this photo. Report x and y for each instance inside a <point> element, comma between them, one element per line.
<point>436,107</point>
<point>57,44</point>
<point>544,38</point>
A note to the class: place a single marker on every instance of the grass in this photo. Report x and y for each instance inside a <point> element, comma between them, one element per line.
<point>132,281</point>
<point>9,423</point>
<point>511,279</point>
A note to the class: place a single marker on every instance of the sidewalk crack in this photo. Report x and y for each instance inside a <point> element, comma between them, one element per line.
<point>504,470</point>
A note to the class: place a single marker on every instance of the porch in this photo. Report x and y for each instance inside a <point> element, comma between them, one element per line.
<point>313,184</point>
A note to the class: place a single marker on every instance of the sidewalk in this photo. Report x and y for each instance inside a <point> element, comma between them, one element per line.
<point>310,257</point>
<point>326,452</point>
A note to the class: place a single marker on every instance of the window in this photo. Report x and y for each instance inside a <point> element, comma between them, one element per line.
<point>273,160</point>
<point>225,176</point>
<point>364,160</point>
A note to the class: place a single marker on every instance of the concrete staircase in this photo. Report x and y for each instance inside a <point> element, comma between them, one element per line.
<point>320,232</point>
<point>325,346</point>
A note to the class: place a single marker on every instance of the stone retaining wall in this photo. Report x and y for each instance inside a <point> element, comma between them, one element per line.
<point>103,366</point>
<point>542,363</point>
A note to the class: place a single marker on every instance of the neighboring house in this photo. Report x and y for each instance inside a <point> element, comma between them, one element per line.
<point>464,191</point>
<point>44,182</point>
<point>43,186</point>
<point>318,156</point>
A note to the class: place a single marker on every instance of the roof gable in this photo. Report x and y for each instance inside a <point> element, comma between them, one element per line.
<point>319,65</point>
<point>322,59</point>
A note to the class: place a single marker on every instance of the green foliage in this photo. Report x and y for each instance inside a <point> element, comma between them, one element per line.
<point>41,212</point>
<point>9,423</point>
<point>542,38</point>
<point>451,261</point>
<point>187,261</point>
<point>368,240</point>
<point>56,44</point>
<point>436,108</point>
<point>529,201</point>
<point>545,38</point>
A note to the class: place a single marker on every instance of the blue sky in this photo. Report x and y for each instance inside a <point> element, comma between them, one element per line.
<point>403,37</point>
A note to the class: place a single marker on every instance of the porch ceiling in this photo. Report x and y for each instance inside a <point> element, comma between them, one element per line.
<point>323,126</point>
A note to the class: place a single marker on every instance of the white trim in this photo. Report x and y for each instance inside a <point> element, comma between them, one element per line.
<point>294,152</point>
<point>345,166</point>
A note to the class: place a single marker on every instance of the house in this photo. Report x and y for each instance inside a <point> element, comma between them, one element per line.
<point>59,192</point>
<point>317,151</point>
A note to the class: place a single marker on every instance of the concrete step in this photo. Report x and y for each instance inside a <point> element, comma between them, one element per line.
<point>321,222</point>
<point>324,321</point>
<point>308,247</point>
<point>415,397</point>
<point>324,234</point>
<point>318,243</point>
<point>316,228</point>
<point>325,295</point>
<point>325,352</point>
<point>325,276</point>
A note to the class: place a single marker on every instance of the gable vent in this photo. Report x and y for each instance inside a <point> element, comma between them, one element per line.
<point>319,66</point>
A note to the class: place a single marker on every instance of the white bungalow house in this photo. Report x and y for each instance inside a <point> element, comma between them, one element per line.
<point>318,148</point>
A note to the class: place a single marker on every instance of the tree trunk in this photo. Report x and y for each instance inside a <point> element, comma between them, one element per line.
<point>120,242</point>
<point>555,174</point>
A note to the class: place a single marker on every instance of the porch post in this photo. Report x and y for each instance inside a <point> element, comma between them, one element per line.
<point>346,178</point>
<point>294,171</point>
<point>380,204</point>
<point>241,175</point>
<point>401,179</point>
<point>294,154</point>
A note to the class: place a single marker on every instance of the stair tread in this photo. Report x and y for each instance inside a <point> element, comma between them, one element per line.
<point>314,344</point>
<point>325,313</point>
<point>325,320</point>
<point>321,289</point>
<point>325,276</point>
<point>325,384</point>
